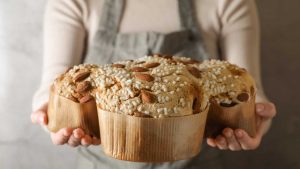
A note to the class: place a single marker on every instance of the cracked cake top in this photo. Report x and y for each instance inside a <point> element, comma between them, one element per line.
<point>156,86</point>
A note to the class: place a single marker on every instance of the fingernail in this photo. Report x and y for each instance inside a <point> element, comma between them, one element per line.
<point>220,140</point>
<point>259,108</point>
<point>77,134</point>
<point>68,132</point>
<point>228,134</point>
<point>239,134</point>
<point>41,119</point>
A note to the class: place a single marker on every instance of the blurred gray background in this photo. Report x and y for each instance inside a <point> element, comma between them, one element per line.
<point>26,146</point>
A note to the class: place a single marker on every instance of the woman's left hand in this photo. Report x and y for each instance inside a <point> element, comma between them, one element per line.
<point>238,139</point>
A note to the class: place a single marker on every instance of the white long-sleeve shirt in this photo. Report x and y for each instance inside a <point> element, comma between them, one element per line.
<point>229,28</point>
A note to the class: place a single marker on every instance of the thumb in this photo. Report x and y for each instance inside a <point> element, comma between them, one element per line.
<point>265,110</point>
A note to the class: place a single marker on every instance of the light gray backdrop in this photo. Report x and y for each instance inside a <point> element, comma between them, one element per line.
<point>25,146</point>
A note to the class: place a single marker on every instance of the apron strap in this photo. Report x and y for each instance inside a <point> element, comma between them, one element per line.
<point>111,15</point>
<point>188,21</point>
<point>187,14</point>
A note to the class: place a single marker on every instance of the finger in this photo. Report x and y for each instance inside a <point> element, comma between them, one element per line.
<point>232,142</point>
<point>62,136</point>
<point>96,141</point>
<point>247,142</point>
<point>258,120</point>
<point>263,127</point>
<point>86,140</point>
<point>211,142</point>
<point>40,116</point>
<point>221,143</point>
<point>266,110</point>
<point>74,142</point>
<point>78,133</point>
<point>75,138</point>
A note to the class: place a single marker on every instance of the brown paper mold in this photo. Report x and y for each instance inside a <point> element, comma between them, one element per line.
<point>151,140</point>
<point>236,115</point>
<point>131,138</point>
<point>63,112</point>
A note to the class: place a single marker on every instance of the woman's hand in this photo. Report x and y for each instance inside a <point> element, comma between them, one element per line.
<point>236,140</point>
<point>72,137</point>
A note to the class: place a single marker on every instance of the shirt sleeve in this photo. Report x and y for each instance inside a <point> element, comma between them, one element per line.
<point>64,43</point>
<point>240,36</point>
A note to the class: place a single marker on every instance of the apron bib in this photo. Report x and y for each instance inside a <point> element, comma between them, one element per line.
<point>110,46</point>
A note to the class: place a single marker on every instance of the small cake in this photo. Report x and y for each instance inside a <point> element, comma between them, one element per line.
<point>232,91</point>
<point>226,83</point>
<point>139,106</point>
<point>72,103</point>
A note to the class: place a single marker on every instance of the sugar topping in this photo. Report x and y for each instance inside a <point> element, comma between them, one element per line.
<point>156,86</point>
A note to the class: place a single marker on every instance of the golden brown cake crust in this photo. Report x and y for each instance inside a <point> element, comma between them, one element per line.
<point>156,86</point>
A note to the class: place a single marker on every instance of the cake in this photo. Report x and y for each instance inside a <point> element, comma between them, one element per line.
<point>153,108</point>
<point>71,102</point>
<point>231,91</point>
<point>150,87</point>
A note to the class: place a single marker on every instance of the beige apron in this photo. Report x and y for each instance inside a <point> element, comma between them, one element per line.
<point>109,46</point>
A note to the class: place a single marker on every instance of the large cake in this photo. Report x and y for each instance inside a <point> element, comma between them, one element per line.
<point>153,108</point>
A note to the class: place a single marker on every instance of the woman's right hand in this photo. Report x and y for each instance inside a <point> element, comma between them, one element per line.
<point>72,137</point>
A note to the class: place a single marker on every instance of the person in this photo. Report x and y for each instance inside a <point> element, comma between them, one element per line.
<point>104,31</point>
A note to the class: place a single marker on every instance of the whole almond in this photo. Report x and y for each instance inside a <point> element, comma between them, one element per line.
<point>85,99</point>
<point>228,104</point>
<point>68,69</point>
<point>77,95</point>
<point>194,103</point>
<point>147,97</point>
<point>60,77</point>
<point>83,87</point>
<point>141,62</point>
<point>194,71</point>
<point>157,55</point>
<point>187,62</point>
<point>81,76</point>
<point>172,62</point>
<point>151,65</point>
<point>167,56</point>
<point>77,70</point>
<point>163,56</point>
<point>118,65</point>
<point>138,69</point>
<point>235,72</point>
<point>139,114</point>
<point>243,97</point>
<point>145,77</point>
<point>73,98</point>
